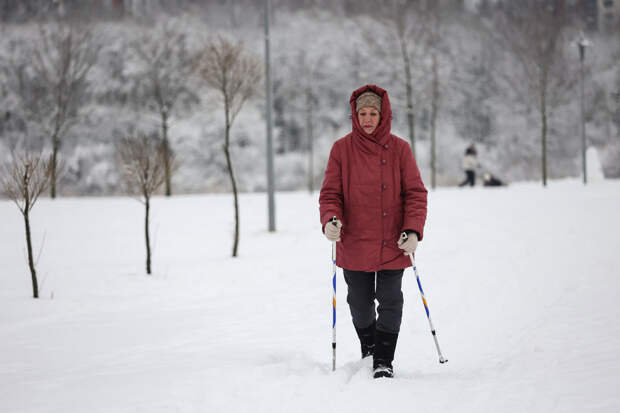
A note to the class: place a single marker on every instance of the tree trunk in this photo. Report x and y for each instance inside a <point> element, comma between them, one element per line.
<point>310,140</point>
<point>583,123</point>
<point>55,147</point>
<point>234,188</point>
<point>434,111</point>
<point>166,144</point>
<point>33,272</point>
<point>409,88</point>
<point>147,204</point>
<point>543,119</point>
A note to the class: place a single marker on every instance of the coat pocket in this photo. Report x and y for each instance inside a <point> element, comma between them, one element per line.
<point>393,222</point>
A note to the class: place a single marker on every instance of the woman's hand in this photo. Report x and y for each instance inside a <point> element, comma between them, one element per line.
<point>332,230</point>
<point>409,243</point>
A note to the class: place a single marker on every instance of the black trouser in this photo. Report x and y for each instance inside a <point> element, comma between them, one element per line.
<point>361,298</point>
<point>470,178</point>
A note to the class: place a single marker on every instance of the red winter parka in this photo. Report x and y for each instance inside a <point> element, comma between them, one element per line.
<point>373,185</point>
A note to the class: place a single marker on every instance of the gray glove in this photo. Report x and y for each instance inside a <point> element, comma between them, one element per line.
<point>409,243</point>
<point>332,230</point>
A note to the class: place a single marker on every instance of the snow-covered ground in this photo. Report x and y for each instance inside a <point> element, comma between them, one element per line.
<point>522,283</point>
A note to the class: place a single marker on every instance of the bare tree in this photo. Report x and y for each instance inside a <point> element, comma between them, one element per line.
<point>301,96</point>
<point>61,63</point>
<point>310,99</point>
<point>407,18</point>
<point>416,28</point>
<point>26,178</point>
<point>404,27</point>
<point>434,23</point>
<point>434,42</point>
<point>142,161</point>
<point>235,74</point>
<point>534,32</point>
<point>167,68</point>
<point>475,82</point>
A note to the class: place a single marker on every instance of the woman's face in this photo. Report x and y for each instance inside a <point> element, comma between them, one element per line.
<point>368,118</point>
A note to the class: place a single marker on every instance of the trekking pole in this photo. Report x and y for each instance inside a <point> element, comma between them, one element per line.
<point>428,315</point>
<point>333,220</point>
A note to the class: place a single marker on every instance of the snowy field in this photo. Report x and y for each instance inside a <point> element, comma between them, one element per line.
<point>523,285</point>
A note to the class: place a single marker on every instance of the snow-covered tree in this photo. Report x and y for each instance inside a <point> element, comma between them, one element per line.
<point>143,168</point>
<point>167,65</point>
<point>25,179</point>
<point>535,32</point>
<point>234,74</point>
<point>52,88</point>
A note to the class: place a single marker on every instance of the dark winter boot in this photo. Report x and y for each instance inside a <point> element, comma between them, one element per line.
<point>367,339</point>
<point>385,345</point>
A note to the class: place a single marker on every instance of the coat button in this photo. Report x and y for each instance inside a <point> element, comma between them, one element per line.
<point>384,214</point>
<point>385,146</point>
<point>384,243</point>
<point>383,161</point>
<point>384,187</point>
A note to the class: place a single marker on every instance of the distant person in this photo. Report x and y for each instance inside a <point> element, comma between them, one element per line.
<point>489,180</point>
<point>470,163</point>
<point>373,187</point>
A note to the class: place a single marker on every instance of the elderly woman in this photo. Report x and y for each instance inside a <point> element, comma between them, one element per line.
<point>373,187</point>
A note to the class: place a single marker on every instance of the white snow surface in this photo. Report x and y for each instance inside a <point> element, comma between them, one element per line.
<point>522,284</point>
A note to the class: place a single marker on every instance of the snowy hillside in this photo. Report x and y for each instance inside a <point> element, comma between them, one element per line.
<point>522,284</point>
<point>483,93</point>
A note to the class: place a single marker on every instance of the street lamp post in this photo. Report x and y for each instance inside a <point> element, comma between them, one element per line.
<point>582,43</point>
<point>270,171</point>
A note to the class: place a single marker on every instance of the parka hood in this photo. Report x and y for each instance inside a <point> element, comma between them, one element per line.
<point>385,125</point>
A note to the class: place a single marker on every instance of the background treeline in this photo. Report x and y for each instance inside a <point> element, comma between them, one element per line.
<point>503,75</point>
